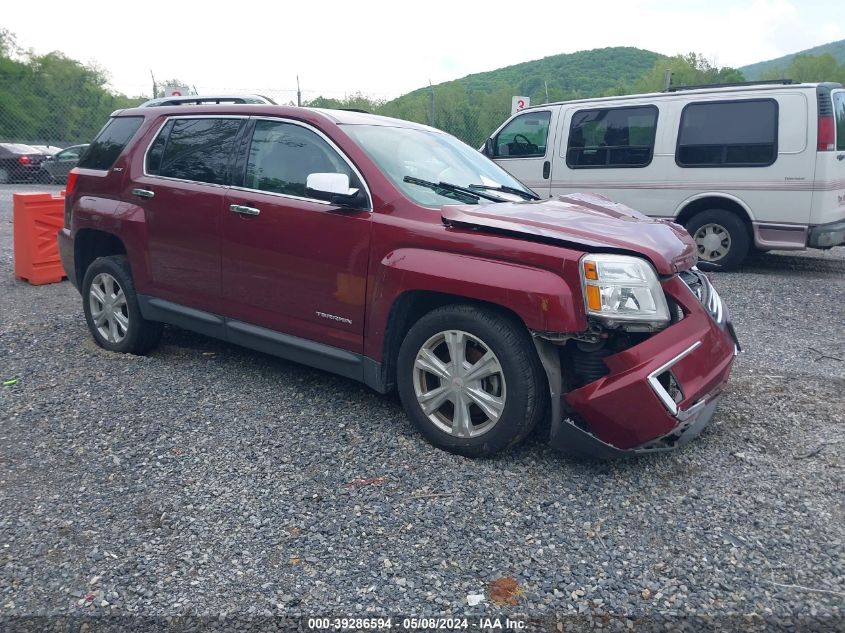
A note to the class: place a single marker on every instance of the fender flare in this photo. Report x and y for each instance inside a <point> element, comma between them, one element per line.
<point>713,194</point>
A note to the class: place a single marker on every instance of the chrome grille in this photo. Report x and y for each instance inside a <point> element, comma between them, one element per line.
<point>704,291</point>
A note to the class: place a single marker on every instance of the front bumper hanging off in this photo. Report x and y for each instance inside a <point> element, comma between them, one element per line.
<point>630,411</point>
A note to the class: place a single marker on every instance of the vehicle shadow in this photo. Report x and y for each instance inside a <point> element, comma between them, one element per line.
<point>787,264</point>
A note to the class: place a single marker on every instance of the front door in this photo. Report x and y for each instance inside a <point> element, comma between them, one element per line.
<point>525,149</point>
<point>292,263</point>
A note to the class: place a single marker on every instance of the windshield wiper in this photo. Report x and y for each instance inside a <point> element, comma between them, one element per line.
<point>525,195</point>
<point>449,190</point>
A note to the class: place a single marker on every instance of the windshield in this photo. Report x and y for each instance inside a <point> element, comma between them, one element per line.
<point>434,157</point>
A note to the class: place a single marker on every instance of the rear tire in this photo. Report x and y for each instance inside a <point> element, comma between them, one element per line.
<point>112,311</point>
<point>721,238</point>
<point>492,400</point>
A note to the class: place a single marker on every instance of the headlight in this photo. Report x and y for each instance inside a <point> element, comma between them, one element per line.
<point>623,288</point>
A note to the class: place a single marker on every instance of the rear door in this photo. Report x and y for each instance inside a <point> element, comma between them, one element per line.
<point>292,263</point>
<point>829,187</point>
<point>182,191</point>
<point>524,147</point>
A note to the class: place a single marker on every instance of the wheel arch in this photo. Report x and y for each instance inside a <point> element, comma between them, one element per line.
<point>89,244</point>
<point>703,201</point>
<point>412,305</point>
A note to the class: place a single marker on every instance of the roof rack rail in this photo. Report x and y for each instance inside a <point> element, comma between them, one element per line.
<point>771,82</point>
<point>206,99</point>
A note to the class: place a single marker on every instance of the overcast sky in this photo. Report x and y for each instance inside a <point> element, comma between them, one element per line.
<point>385,49</point>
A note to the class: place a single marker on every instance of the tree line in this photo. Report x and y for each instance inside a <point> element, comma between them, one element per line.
<point>52,99</point>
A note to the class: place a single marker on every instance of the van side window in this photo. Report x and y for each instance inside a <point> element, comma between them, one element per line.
<point>612,137</point>
<point>281,155</point>
<point>194,149</point>
<point>525,136</point>
<point>839,112</point>
<point>728,134</point>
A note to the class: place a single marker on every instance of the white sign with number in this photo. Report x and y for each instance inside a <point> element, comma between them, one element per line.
<point>177,91</point>
<point>519,103</point>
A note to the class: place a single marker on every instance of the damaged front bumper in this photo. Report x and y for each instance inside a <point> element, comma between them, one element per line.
<point>658,395</point>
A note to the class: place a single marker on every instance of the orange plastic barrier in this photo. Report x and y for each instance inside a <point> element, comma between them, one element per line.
<point>37,217</point>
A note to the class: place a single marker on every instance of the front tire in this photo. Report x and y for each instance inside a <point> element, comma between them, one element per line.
<point>721,238</point>
<point>111,308</point>
<point>470,380</point>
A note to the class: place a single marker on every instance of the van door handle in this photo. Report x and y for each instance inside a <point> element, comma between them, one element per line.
<point>547,170</point>
<point>239,208</point>
<point>143,193</point>
<point>840,156</point>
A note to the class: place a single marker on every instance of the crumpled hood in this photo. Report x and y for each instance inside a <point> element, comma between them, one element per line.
<point>587,220</point>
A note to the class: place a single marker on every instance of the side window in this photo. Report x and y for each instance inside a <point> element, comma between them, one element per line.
<point>152,164</point>
<point>111,140</point>
<point>281,155</point>
<point>194,149</point>
<point>839,112</point>
<point>525,136</point>
<point>68,154</point>
<point>612,137</point>
<point>728,134</point>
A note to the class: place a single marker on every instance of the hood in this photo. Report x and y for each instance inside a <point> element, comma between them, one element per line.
<point>586,220</point>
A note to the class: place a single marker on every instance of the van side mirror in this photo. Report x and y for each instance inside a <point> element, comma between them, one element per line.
<point>489,148</point>
<point>334,188</point>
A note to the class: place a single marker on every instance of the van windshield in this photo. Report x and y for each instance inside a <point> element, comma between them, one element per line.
<point>839,109</point>
<point>414,154</point>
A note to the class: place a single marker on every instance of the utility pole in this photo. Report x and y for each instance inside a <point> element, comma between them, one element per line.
<point>154,83</point>
<point>431,122</point>
<point>667,80</point>
<point>546,84</point>
<point>298,93</point>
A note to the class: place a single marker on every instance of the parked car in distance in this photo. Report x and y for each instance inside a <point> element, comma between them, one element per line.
<point>756,166</point>
<point>391,253</point>
<point>20,163</point>
<point>47,150</point>
<point>59,164</point>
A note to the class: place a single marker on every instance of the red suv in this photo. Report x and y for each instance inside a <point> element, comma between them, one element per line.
<point>392,253</point>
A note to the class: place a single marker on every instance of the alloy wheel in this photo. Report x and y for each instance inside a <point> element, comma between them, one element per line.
<point>459,383</point>
<point>109,310</point>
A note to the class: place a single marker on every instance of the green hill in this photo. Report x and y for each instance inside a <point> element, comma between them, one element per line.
<point>755,71</point>
<point>474,105</point>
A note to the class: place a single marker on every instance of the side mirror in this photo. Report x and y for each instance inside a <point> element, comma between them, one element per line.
<point>489,148</point>
<point>334,188</point>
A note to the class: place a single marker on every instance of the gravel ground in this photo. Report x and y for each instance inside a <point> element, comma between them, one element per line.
<point>207,479</point>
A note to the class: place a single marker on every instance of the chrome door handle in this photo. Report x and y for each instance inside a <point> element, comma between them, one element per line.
<point>143,193</point>
<point>239,208</point>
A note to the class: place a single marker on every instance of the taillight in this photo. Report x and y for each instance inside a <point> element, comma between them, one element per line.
<point>827,134</point>
<point>69,187</point>
<point>24,160</point>
<point>71,181</point>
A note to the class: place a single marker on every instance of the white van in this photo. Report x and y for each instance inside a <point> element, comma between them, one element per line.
<point>743,166</point>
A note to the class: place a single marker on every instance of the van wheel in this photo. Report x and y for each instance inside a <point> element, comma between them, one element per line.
<point>111,308</point>
<point>470,381</point>
<point>720,237</point>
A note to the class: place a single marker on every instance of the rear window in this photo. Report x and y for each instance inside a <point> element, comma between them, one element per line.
<point>839,110</point>
<point>110,142</point>
<point>728,134</point>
